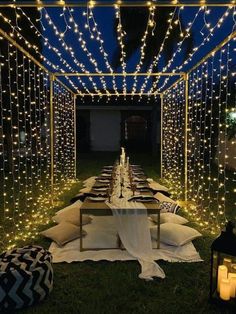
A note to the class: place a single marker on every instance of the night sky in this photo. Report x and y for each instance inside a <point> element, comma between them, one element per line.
<point>105,24</point>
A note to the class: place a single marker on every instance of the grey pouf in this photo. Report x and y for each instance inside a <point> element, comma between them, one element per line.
<point>26,277</point>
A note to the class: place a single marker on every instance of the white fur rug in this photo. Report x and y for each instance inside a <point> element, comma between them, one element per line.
<point>101,233</point>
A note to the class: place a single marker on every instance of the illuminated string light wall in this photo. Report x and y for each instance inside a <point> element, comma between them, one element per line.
<point>64,137</point>
<point>37,113</point>
<point>173,138</point>
<point>211,138</point>
<point>25,144</point>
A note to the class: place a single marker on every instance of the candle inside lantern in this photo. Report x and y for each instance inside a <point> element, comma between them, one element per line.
<point>222,274</point>
<point>225,289</point>
<point>232,279</point>
<point>227,262</point>
<point>233,268</point>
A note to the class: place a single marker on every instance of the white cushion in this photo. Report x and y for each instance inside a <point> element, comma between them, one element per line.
<point>170,217</point>
<point>85,190</point>
<point>76,204</point>
<point>89,182</point>
<point>63,233</point>
<point>174,234</point>
<point>71,214</point>
<point>162,198</point>
<point>158,187</point>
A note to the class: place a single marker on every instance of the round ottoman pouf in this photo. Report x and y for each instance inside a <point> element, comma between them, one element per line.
<point>26,277</point>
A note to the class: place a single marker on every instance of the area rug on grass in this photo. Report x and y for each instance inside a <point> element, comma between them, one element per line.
<point>101,233</point>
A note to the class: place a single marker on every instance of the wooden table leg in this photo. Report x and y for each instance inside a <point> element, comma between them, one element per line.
<point>81,232</point>
<point>158,228</point>
<point>118,241</point>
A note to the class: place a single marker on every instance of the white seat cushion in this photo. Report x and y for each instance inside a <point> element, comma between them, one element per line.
<point>62,233</point>
<point>174,234</point>
<point>170,217</point>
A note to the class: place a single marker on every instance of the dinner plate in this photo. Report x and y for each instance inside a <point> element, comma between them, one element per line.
<point>139,180</point>
<point>103,181</point>
<point>100,189</point>
<point>143,189</point>
<point>96,199</point>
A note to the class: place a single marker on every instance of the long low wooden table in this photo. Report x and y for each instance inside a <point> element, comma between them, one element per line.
<point>101,209</point>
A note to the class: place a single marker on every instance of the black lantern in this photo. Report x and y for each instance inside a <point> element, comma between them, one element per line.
<point>223,267</point>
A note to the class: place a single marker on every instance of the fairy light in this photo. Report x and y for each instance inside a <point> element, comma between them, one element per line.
<point>173,141</point>
<point>149,28</point>
<point>207,147</point>
<point>178,50</point>
<point>96,34</point>
<point>25,165</point>
<point>156,59</point>
<point>121,35</point>
<point>64,162</point>
<point>206,39</point>
<point>25,146</point>
<point>47,44</point>
<point>83,45</point>
<point>69,49</point>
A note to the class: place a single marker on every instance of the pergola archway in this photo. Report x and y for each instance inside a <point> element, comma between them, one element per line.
<point>42,100</point>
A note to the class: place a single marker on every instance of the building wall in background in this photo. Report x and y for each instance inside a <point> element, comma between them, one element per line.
<point>105,130</point>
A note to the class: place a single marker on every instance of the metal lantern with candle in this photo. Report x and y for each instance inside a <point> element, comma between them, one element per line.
<point>223,267</point>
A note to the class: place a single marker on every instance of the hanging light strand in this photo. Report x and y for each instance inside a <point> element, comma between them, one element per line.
<point>121,35</point>
<point>151,24</point>
<point>196,49</point>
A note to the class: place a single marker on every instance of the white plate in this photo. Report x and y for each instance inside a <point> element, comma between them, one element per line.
<point>103,181</point>
<point>97,199</point>
<point>99,189</point>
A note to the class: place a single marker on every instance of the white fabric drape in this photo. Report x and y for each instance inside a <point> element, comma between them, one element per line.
<point>133,228</point>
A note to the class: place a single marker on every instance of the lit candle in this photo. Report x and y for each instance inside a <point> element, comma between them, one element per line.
<point>225,289</point>
<point>222,274</point>
<point>232,279</point>
<point>127,164</point>
<point>227,262</point>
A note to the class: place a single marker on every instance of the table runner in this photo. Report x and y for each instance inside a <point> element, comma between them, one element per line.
<point>133,228</point>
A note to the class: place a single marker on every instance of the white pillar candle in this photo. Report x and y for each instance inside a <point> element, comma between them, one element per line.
<point>225,289</point>
<point>222,274</point>
<point>232,279</point>
<point>227,262</point>
<point>127,164</point>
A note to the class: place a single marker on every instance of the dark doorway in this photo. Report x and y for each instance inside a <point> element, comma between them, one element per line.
<point>83,130</point>
<point>136,132</point>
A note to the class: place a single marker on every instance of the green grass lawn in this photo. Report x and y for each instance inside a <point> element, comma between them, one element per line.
<point>114,287</point>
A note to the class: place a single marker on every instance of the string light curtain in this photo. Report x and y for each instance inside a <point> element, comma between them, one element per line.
<point>211,140</point>
<point>173,139</point>
<point>211,143</point>
<point>25,144</point>
<point>64,137</point>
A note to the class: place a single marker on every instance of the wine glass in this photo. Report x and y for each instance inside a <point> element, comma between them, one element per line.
<point>133,188</point>
<point>109,193</point>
